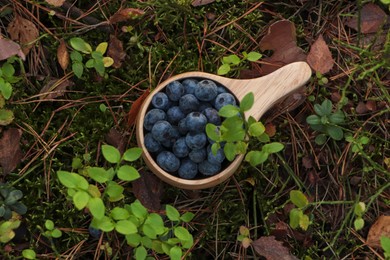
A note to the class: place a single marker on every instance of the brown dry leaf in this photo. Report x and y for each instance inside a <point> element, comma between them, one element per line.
<point>57,3</point>
<point>148,189</point>
<point>202,2</point>
<point>381,227</point>
<point>125,14</point>
<point>63,55</point>
<point>272,249</point>
<point>115,51</point>
<point>23,31</point>
<point>372,17</point>
<point>132,115</point>
<point>270,129</point>
<point>319,57</point>
<point>10,48</point>
<point>371,105</point>
<point>281,38</point>
<point>55,88</point>
<point>361,108</point>
<point>10,152</point>
<point>116,139</point>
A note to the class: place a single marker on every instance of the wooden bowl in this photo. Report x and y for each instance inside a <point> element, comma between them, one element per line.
<point>267,91</point>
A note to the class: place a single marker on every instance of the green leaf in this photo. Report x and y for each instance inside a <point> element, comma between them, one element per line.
<point>295,216</point>
<point>78,69</point>
<point>105,224</point>
<point>264,138</point>
<point>335,132</point>
<point>304,222</point>
<point>313,120</point>
<point>360,208</point>
<point>187,217</point>
<point>97,55</point>
<point>298,198</point>
<point>19,208</point>
<point>108,62</point>
<point>256,129</point>
<point>29,254</point>
<point>175,253</point>
<point>132,154</point>
<point>96,207</point>
<point>320,139</point>
<point>146,242</point>
<point>90,63</point>
<point>223,69</point>
<point>172,213</point>
<point>125,227</point>
<point>5,89</point>
<point>118,213</point>
<point>337,117</point>
<point>13,197</point>
<point>49,225</point>
<point>247,102</point>
<point>6,117</point>
<point>133,240</point>
<point>81,182</point>
<point>80,199</point>
<point>166,248</point>
<point>241,147</point>
<point>67,179</point>
<point>273,147</point>
<point>212,132</point>
<point>102,47</point>
<point>56,233</point>
<point>358,223</point>
<point>77,163</point>
<point>215,147</point>
<point>157,246</point>
<point>128,173</point>
<point>244,231</point>
<point>182,233</point>
<point>230,151</point>
<point>99,67</point>
<point>156,222</point>
<point>138,209</point>
<point>111,154</point>
<point>256,157</point>
<point>149,231</point>
<point>8,70</point>
<point>114,190</point>
<point>79,44</point>
<point>94,191</point>
<point>76,56</point>
<point>98,174</point>
<point>234,59</point>
<point>140,253</point>
<point>234,135</point>
<point>385,243</point>
<point>229,111</point>
<point>253,56</point>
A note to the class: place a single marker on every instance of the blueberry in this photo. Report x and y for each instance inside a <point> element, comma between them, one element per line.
<point>196,140</point>
<point>174,115</point>
<point>206,90</point>
<point>188,103</point>
<point>190,85</point>
<point>171,137</point>
<point>95,233</point>
<point>221,89</point>
<point>161,131</point>
<point>160,100</point>
<point>183,130</point>
<point>198,155</point>
<point>203,106</point>
<point>168,161</point>
<point>212,116</point>
<point>196,122</point>
<point>224,99</point>
<point>207,168</point>
<point>152,117</point>
<point>180,148</point>
<point>215,159</point>
<point>174,90</point>
<point>152,144</point>
<point>188,169</point>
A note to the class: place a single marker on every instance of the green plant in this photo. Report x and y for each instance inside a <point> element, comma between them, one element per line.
<point>231,61</point>
<point>321,79</point>
<point>96,59</point>
<point>359,210</point>
<point>9,202</point>
<point>7,78</point>
<point>244,237</point>
<point>29,254</point>
<point>385,243</point>
<point>51,231</point>
<point>235,132</point>
<point>357,143</point>
<point>142,230</point>
<point>7,228</point>
<point>297,216</point>
<point>326,122</point>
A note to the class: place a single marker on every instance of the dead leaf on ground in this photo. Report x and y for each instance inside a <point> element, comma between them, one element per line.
<point>125,14</point>
<point>272,249</point>
<point>319,57</point>
<point>132,115</point>
<point>270,129</point>
<point>116,139</point>
<point>361,108</point>
<point>372,17</point>
<point>115,51</point>
<point>63,55</point>
<point>10,152</point>
<point>148,189</point>
<point>55,88</point>
<point>281,38</point>
<point>380,228</point>
<point>10,48</point>
<point>23,31</point>
<point>57,3</point>
<point>202,2</point>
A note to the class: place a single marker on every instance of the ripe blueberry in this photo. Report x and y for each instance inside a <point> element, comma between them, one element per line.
<point>188,169</point>
<point>206,90</point>
<point>152,117</point>
<point>168,161</point>
<point>224,99</point>
<point>174,90</point>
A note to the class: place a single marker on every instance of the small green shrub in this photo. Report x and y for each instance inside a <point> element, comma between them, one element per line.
<point>297,216</point>
<point>7,78</point>
<point>233,61</point>
<point>360,209</point>
<point>9,201</point>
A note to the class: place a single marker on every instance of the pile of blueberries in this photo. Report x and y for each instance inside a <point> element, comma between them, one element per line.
<point>175,127</point>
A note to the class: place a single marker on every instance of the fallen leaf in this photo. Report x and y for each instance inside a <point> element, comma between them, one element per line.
<point>116,139</point>
<point>132,115</point>
<point>381,227</point>
<point>125,14</point>
<point>202,2</point>
<point>57,3</point>
<point>272,249</point>
<point>10,48</point>
<point>23,31</point>
<point>372,17</point>
<point>371,105</point>
<point>55,88</point>
<point>63,55</point>
<point>361,108</point>
<point>281,38</point>
<point>319,57</point>
<point>270,129</point>
<point>10,152</point>
<point>148,189</point>
<point>115,51</point>
<point>307,162</point>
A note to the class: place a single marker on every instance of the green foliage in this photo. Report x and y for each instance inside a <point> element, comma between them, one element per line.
<point>95,60</point>
<point>7,228</point>
<point>29,254</point>
<point>235,132</point>
<point>385,243</point>
<point>51,231</point>
<point>297,216</point>
<point>359,210</point>
<point>7,78</point>
<point>244,237</point>
<point>326,122</point>
<point>141,229</point>
<point>232,61</point>
<point>357,143</point>
<point>9,201</point>
<point>321,79</point>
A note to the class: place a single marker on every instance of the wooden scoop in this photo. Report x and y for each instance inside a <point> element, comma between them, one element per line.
<point>267,91</point>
